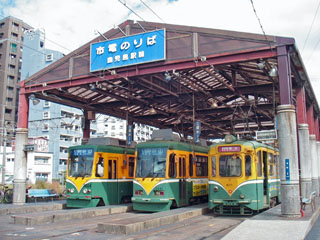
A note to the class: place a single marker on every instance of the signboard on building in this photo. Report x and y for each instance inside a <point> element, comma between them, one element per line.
<point>266,135</point>
<point>129,50</point>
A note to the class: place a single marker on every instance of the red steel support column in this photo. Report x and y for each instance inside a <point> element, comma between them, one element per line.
<point>310,119</point>
<point>301,105</point>
<point>23,109</point>
<point>285,82</point>
<point>86,129</point>
<point>316,129</point>
<point>20,162</point>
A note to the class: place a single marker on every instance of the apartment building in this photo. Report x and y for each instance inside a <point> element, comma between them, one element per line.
<point>11,49</point>
<point>108,126</point>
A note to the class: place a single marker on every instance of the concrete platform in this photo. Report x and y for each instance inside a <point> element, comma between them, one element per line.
<point>272,225</point>
<point>153,220</point>
<point>7,209</point>
<point>67,214</point>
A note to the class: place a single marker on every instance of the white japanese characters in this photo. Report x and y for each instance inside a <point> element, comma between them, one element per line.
<point>129,50</point>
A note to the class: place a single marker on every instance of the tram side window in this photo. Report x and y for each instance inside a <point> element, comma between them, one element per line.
<point>214,166</point>
<point>271,164</point>
<point>190,165</point>
<point>259,165</point>
<point>172,166</point>
<point>201,166</point>
<point>248,165</point>
<point>180,167</point>
<point>110,169</point>
<point>276,165</point>
<point>131,166</point>
<point>100,167</point>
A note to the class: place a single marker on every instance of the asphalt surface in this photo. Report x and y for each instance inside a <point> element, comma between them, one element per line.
<point>206,226</point>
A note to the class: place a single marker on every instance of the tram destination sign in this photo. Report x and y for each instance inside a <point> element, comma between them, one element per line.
<point>129,50</point>
<point>229,149</point>
<point>87,152</point>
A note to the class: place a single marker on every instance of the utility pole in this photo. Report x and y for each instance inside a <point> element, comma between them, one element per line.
<point>4,157</point>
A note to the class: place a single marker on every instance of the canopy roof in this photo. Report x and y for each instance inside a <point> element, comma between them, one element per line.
<point>209,75</point>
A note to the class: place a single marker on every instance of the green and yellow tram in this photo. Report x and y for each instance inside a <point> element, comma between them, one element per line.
<point>169,174</point>
<point>99,175</point>
<point>243,177</point>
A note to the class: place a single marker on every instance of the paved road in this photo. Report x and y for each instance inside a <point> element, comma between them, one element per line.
<point>202,227</point>
<point>314,233</point>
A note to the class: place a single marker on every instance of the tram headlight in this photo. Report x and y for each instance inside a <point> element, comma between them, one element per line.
<point>241,196</point>
<point>158,193</point>
<point>138,192</point>
<point>72,190</point>
<point>85,191</point>
<point>215,189</point>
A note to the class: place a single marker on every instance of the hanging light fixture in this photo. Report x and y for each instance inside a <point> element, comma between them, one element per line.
<point>273,71</point>
<point>214,104</point>
<point>92,86</point>
<point>167,76</point>
<point>152,110</point>
<point>261,65</point>
<point>34,100</point>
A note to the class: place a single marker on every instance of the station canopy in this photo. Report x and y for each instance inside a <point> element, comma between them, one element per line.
<point>225,80</point>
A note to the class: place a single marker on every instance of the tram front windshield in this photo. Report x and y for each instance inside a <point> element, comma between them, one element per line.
<point>80,163</point>
<point>151,162</point>
<point>230,166</point>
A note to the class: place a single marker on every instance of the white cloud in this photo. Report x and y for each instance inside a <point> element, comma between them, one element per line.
<point>71,23</point>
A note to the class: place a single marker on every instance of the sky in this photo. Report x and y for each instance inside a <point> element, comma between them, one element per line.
<point>69,24</point>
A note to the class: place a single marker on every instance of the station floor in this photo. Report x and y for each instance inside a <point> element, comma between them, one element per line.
<point>267,225</point>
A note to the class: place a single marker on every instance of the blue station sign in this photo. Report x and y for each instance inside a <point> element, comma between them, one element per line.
<point>129,50</point>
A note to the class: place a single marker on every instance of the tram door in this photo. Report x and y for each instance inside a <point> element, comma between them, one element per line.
<point>112,176</point>
<point>182,181</point>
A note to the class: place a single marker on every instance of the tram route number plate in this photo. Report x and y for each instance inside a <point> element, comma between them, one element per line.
<point>229,203</point>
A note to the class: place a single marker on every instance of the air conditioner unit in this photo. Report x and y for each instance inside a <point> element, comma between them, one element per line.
<point>49,57</point>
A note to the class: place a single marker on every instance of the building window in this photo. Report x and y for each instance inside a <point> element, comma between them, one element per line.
<point>8,111</point>
<point>9,100</point>
<point>63,162</point>
<point>46,103</point>
<point>13,47</point>
<point>15,27</point>
<point>64,149</point>
<point>46,115</point>
<point>10,79</point>
<point>45,127</point>
<point>49,57</point>
<point>41,160</point>
<point>42,177</point>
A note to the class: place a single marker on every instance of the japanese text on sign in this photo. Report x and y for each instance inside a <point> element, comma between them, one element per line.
<point>229,149</point>
<point>83,152</point>
<point>129,50</point>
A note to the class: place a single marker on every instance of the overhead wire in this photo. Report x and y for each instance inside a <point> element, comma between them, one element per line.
<point>259,21</point>
<point>314,17</point>
<point>152,11</point>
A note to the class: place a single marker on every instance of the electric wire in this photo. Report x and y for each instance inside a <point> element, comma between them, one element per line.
<point>264,34</point>
<point>152,11</point>
<point>314,17</point>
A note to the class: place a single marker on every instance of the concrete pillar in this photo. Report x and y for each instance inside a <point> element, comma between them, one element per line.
<point>314,160</point>
<point>318,154</point>
<point>20,167</point>
<point>305,160</point>
<point>289,173</point>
